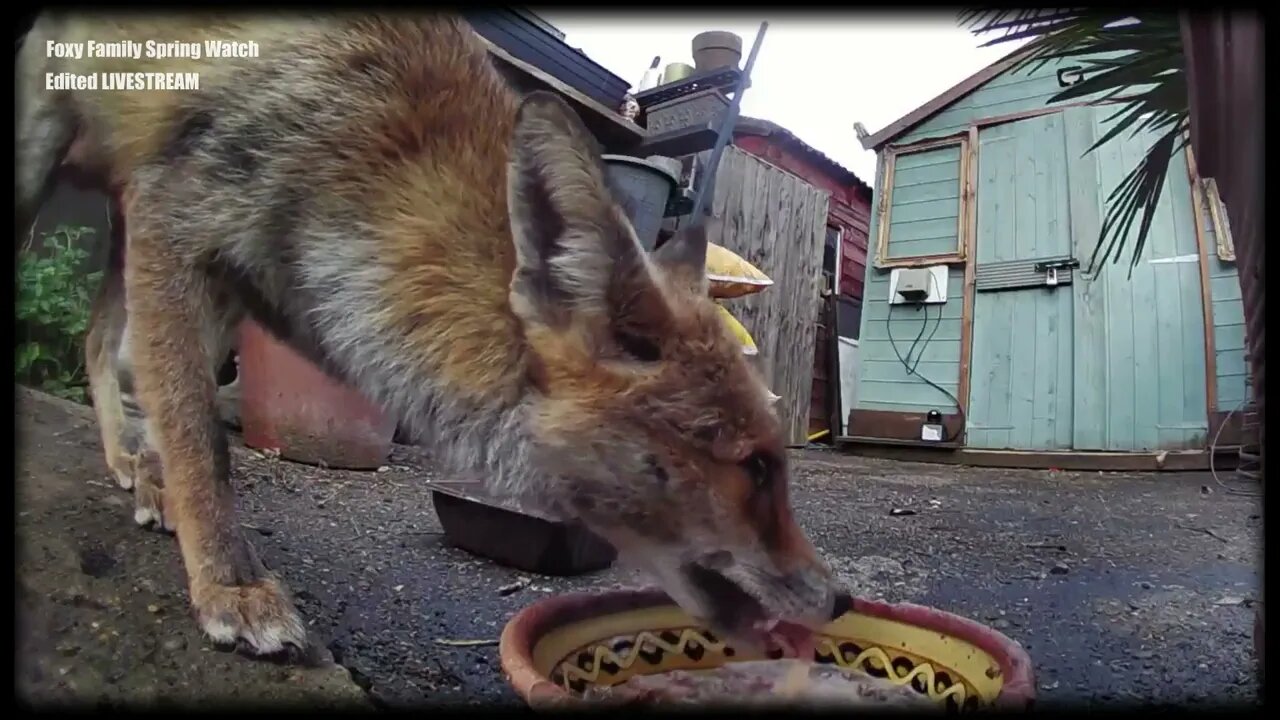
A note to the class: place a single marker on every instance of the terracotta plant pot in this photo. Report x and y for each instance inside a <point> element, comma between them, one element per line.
<point>554,649</point>
<point>288,404</point>
<point>716,49</point>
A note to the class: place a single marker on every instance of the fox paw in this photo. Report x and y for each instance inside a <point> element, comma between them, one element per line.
<point>148,495</point>
<point>257,618</point>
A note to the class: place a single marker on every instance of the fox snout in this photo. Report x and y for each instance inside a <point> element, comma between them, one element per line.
<point>812,591</point>
<point>758,605</point>
<point>802,591</point>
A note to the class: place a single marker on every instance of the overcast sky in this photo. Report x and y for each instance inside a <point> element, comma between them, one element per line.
<point>817,73</point>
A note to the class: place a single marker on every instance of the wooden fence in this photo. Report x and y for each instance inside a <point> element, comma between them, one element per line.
<point>777,222</point>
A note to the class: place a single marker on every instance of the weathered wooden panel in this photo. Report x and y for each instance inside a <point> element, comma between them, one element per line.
<point>849,202</point>
<point>777,222</point>
<point>925,204</point>
<point>1154,339</point>
<point>1020,391</point>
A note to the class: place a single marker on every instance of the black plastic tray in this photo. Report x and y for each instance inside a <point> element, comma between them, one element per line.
<point>515,538</point>
<point>723,79</point>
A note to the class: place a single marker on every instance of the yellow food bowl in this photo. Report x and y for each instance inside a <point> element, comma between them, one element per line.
<point>554,649</point>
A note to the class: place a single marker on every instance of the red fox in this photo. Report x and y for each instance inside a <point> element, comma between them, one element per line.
<point>369,189</point>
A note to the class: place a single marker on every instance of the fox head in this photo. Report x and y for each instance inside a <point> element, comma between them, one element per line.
<point>661,433</point>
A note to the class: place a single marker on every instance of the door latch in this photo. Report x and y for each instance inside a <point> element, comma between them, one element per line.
<point>1050,269</point>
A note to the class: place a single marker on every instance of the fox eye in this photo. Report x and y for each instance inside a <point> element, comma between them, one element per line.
<point>640,348</point>
<point>759,469</point>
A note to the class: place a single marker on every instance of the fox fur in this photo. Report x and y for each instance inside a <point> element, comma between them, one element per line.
<point>372,191</point>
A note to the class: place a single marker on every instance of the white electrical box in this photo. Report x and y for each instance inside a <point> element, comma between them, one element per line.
<point>933,281</point>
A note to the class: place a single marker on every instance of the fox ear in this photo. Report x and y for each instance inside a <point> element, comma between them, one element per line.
<point>571,239</point>
<point>684,256</point>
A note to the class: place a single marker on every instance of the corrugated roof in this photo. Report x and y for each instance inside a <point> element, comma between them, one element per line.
<point>757,126</point>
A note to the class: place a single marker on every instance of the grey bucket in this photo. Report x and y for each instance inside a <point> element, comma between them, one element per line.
<point>642,187</point>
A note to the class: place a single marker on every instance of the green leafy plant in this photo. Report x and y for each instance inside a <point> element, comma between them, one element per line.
<point>54,296</point>
<point>1132,59</point>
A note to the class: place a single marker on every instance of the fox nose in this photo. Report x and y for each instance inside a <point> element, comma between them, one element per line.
<point>843,603</point>
<point>826,610</point>
<point>817,595</point>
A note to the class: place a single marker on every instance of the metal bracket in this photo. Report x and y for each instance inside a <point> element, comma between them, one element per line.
<point>1069,76</point>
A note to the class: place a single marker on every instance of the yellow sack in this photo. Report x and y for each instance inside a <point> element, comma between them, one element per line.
<point>740,332</point>
<point>730,276</point>
<point>748,343</point>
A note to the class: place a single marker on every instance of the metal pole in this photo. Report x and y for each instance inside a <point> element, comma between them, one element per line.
<point>703,201</point>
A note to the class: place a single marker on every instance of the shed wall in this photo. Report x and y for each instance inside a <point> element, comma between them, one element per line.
<point>1005,94</point>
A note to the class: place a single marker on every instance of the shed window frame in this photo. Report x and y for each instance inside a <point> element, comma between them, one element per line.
<point>1225,244</point>
<point>885,206</point>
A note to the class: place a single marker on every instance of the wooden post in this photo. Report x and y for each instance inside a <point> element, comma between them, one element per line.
<point>834,409</point>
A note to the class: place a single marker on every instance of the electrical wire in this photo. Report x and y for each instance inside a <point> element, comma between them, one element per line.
<point>936,324</point>
<point>916,342</point>
<point>911,369</point>
<point>1213,450</point>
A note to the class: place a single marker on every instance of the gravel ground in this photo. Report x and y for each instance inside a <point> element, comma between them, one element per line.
<point>1122,587</point>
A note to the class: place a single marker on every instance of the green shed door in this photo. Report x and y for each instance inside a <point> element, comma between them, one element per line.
<point>1139,339</point>
<point>1111,362</point>
<point>1021,375</point>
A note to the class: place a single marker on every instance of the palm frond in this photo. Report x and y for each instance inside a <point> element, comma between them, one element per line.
<point>1132,60</point>
<point>1138,194</point>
